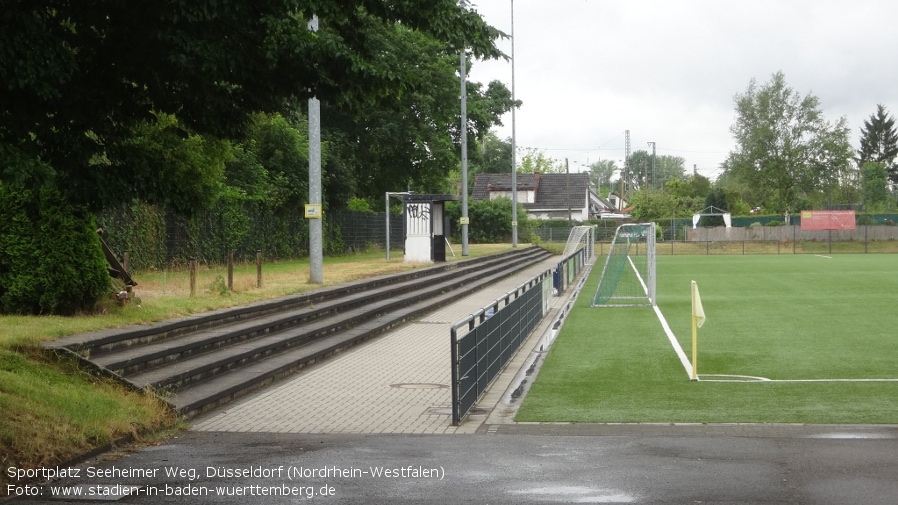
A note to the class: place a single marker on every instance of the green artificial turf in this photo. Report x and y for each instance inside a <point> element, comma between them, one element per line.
<point>784,317</point>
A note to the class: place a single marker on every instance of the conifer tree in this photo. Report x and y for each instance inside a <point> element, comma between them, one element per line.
<point>879,142</point>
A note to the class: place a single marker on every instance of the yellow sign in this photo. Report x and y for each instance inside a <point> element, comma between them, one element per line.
<point>313,211</point>
<point>465,220</point>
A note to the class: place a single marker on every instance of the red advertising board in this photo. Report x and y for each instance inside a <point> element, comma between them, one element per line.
<point>815,220</point>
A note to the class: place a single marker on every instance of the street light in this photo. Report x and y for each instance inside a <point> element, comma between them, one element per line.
<point>514,167</point>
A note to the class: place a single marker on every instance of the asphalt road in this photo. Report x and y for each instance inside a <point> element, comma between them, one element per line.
<point>503,464</point>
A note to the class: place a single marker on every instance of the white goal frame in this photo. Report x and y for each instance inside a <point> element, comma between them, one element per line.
<point>610,273</point>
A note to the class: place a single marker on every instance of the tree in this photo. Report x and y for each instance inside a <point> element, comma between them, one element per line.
<point>640,165</point>
<point>874,181</point>
<point>535,160</point>
<point>667,168</point>
<point>786,151</point>
<point>494,157</point>
<point>412,141</point>
<point>272,165</point>
<point>717,199</point>
<point>647,171</point>
<point>107,102</point>
<point>50,256</point>
<point>79,79</point>
<point>879,142</point>
<point>600,173</point>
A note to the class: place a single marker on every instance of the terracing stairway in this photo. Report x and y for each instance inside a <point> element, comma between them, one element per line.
<point>202,361</point>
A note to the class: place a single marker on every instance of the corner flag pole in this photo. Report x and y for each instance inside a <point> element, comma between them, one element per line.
<point>694,348</point>
<point>698,319</point>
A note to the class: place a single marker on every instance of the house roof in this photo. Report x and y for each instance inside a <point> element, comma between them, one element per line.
<point>552,191</point>
<point>484,183</point>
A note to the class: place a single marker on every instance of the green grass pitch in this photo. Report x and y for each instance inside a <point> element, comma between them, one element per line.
<point>784,318</point>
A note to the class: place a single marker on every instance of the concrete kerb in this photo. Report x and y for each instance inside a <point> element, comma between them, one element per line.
<point>505,395</point>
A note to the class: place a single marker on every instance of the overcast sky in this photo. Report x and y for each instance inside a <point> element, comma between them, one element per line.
<point>667,71</point>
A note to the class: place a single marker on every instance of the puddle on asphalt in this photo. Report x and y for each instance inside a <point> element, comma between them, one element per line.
<point>854,436</point>
<point>577,494</point>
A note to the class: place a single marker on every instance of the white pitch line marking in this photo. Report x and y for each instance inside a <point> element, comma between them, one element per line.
<point>674,342</point>
<point>752,378</point>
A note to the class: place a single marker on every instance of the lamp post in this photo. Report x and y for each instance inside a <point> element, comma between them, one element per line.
<point>514,167</point>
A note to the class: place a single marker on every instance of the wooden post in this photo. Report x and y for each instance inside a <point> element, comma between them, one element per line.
<point>231,271</point>
<point>126,260</point>
<point>192,277</point>
<point>259,269</point>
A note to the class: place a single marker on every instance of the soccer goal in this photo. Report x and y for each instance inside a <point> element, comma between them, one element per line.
<point>580,236</point>
<point>628,278</point>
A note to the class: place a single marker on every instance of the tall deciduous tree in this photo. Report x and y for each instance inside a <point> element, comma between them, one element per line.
<point>786,152</point>
<point>106,101</point>
<point>412,140</point>
<point>536,160</point>
<point>647,171</point>
<point>495,155</point>
<point>600,174</point>
<point>879,142</point>
<point>78,78</point>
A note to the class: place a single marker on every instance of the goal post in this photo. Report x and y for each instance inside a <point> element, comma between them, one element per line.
<point>628,277</point>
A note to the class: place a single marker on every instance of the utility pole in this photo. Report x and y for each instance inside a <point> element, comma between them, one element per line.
<point>626,165</point>
<point>654,177</point>
<point>464,154</point>
<point>316,235</point>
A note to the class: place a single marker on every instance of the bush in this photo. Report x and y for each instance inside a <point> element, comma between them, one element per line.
<point>360,205</point>
<point>490,221</point>
<point>865,220</point>
<point>774,223</point>
<point>51,260</point>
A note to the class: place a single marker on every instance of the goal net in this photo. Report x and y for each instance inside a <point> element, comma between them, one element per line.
<point>628,278</point>
<point>581,236</point>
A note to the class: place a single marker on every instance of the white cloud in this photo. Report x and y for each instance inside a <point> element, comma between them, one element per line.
<point>667,71</point>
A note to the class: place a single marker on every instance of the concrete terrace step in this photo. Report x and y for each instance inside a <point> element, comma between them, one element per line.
<point>207,395</point>
<point>185,371</point>
<point>102,341</point>
<point>136,358</point>
<point>205,361</point>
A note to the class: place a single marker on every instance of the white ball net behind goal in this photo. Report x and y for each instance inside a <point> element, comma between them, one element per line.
<point>580,236</point>
<point>628,277</point>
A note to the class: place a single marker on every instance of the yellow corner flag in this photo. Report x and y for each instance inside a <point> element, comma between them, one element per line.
<point>697,311</point>
<point>698,319</point>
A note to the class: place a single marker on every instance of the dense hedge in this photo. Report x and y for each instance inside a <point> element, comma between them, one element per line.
<point>51,261</point>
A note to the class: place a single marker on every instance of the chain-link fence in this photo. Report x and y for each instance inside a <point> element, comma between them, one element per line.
<point>156,239</point>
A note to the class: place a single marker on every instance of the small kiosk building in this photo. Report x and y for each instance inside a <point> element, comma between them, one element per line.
<point>426,227</point>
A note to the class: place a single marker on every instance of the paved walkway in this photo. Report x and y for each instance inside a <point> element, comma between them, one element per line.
<point>395,383</point>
